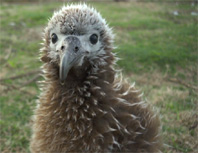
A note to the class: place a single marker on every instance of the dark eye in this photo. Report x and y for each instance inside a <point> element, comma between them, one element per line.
<point>54,38</point>
<point>93,39</point>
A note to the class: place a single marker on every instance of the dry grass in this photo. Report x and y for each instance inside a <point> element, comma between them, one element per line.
<point>179,118</point>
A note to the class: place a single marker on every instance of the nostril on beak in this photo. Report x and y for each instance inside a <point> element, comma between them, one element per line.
<point>86,52</point>
<point>76,49</point>
<point>62,47</point>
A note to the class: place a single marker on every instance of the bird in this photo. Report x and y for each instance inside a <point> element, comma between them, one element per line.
<point>85,104</point>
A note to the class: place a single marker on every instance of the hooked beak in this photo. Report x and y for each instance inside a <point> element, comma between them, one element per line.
<point>70,56</point>
<point>68,60</point>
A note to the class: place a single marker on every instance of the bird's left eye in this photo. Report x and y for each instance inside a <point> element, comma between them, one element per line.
<point>54,38</point>
<point>93,39</point>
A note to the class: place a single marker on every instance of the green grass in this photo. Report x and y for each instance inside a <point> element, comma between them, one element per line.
<point>152,42</point>
<point>15,128</point>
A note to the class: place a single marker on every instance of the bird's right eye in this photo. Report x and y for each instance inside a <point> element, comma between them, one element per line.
<point>54,38</point>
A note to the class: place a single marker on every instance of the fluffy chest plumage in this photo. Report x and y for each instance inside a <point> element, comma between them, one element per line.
<point>100,113</point>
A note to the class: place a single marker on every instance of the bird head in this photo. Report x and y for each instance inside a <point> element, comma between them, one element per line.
<point>74,34</point>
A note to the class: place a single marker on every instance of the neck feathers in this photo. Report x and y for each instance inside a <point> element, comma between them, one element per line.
<point>82,97</point>
<point>97,71</point>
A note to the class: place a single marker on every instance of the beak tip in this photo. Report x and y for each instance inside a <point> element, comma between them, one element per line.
<point>62,82</point>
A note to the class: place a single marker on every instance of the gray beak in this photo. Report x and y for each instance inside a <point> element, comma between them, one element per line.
<point>72,52</point>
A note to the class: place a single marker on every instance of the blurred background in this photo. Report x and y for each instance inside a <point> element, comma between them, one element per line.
<point>157,41</point>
